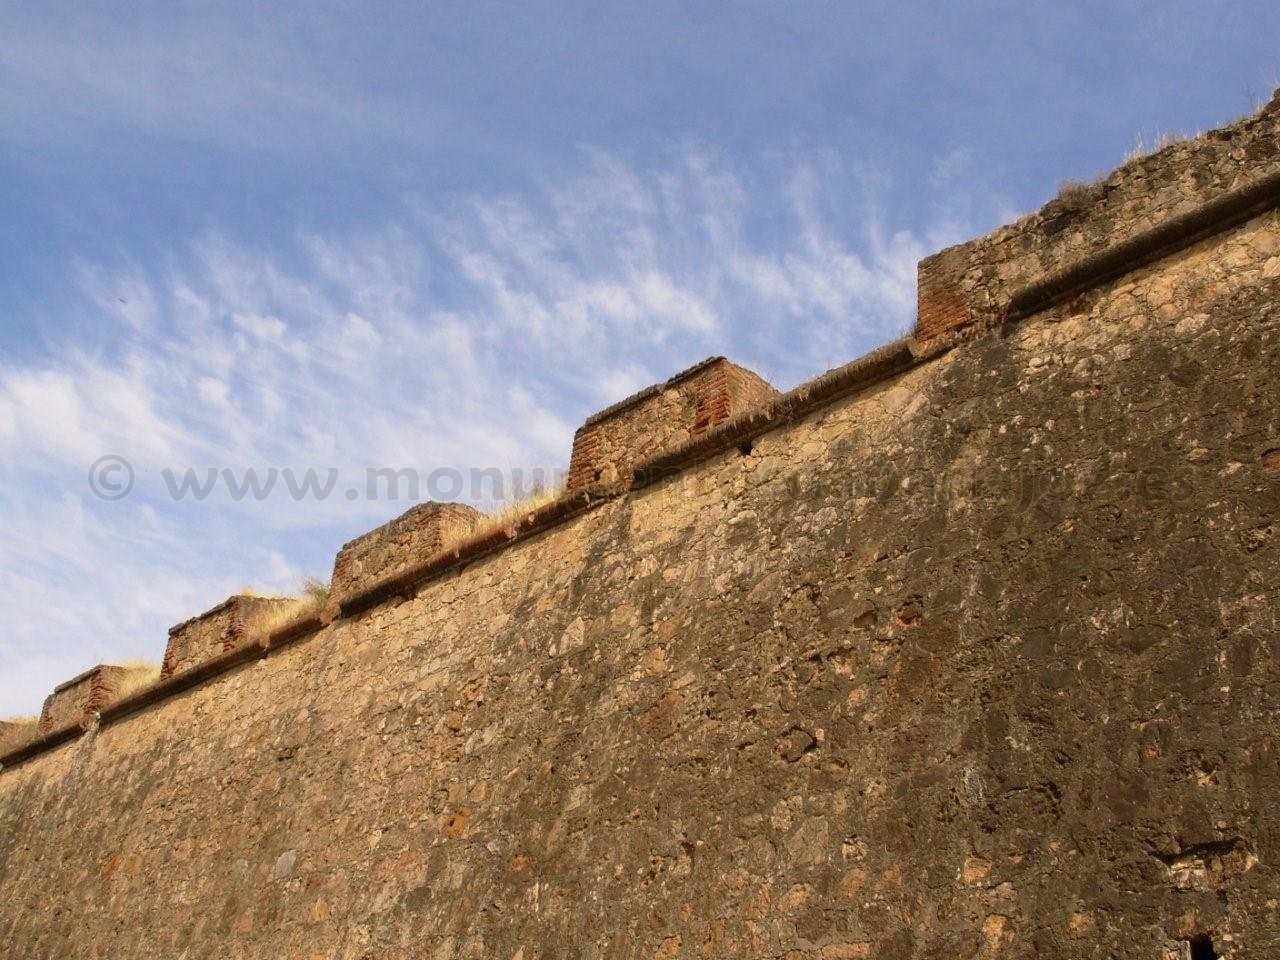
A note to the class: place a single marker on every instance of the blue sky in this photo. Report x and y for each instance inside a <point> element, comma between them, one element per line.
<point>425,236</point>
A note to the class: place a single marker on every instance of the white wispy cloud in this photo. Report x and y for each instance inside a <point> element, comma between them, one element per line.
<point>478,334</point>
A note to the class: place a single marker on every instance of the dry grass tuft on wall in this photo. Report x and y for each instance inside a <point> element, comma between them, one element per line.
<point>142,673</point>
<point>510,512</point>
<point>315,594</point>
<point>1142,148</point>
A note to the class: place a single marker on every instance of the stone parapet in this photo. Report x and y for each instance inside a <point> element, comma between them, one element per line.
<point>77,700</point>
<point>218,630</point>
<point>661,417</point>
<point>416,534</point>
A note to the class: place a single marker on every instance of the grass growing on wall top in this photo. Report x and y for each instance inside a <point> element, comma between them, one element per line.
<point>142,673</point>
<point>506,513</point>
<point>315,594</point>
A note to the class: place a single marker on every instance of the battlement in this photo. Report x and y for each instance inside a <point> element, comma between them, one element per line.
<point>961,648</point>
<point>422,531</point>
<point>79,699</point>
<point>662,416</point>
<point>217,630</point>
<point>1096,231</point>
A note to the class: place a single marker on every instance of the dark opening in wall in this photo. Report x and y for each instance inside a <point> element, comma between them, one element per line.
<point>1202,948</point>
<point>745,448</point>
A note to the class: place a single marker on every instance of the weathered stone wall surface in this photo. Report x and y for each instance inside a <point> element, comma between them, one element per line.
<point>662,416</point>
<point>978,663</point>
<point>413,536</point>
<point>972,281</point>
<point>216,630</point>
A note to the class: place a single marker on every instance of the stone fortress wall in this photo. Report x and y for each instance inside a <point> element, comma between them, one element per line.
<point>966,648</point>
